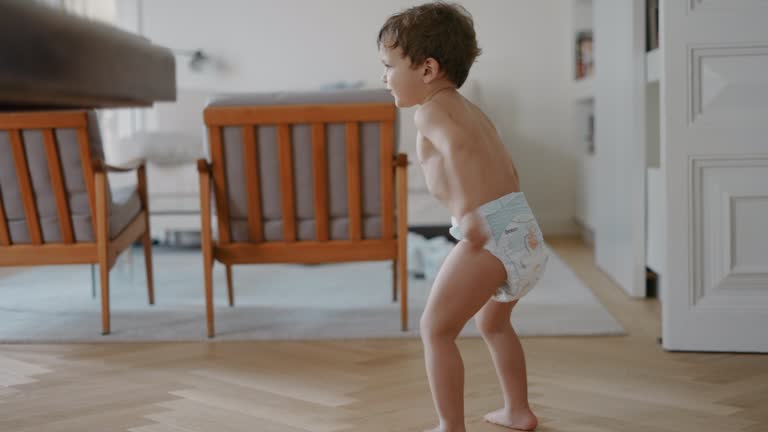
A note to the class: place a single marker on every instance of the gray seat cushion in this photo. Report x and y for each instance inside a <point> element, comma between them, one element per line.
<point>301,139</point>
<point>125,204</point>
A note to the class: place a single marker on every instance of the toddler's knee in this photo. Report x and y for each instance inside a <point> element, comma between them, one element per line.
<point>489,328</point>
<point>433,329</point>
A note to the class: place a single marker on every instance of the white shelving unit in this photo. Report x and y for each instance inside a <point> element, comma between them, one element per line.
<point>655,227</point>
<point>583,90</point>
<point>581,133</point>
<point>655,234</point>
<point>655,197</point>
<point>653,66</point>
<point>620,173</point>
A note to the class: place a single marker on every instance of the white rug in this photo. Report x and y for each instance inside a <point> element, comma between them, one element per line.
<point>272,302</point>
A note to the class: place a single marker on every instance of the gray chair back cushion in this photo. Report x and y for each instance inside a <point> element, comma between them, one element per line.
<point>77,194</point>
<point>301,142</point>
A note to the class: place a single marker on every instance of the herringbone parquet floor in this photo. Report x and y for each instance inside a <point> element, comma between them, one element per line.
<point>577,384</point>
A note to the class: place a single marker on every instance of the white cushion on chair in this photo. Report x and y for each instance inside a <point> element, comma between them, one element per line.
<point>165,147</point>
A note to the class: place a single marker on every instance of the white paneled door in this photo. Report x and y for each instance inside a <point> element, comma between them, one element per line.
<point>714,110</point>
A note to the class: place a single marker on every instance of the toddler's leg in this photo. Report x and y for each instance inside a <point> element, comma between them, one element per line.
<point>493,321</point>
<point>467,279</point>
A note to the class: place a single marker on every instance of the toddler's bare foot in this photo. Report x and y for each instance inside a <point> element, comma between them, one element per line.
<point>440,429</point>
<point>521,420</point>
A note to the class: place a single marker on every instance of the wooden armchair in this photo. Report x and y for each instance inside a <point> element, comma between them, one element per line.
<point>53,185</point>
<point>304,178</point>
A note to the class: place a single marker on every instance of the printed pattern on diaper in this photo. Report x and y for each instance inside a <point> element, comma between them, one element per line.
<point>517,241</point>
<point>521,248</point>
<point>516,209</point>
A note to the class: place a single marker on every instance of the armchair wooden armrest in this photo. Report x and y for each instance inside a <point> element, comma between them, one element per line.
<point>100,169</point>
<point>132,165</point>
<point>203,166</point>
<point>107,248</point>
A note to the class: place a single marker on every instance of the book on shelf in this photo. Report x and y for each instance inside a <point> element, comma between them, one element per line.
<point>652,25</point>
<point>590,138</point>
<point>585,64</point>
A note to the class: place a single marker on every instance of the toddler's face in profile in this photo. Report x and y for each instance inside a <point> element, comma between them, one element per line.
<point>402,80</point>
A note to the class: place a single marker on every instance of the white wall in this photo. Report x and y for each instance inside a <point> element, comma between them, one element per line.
<point>521,79</point>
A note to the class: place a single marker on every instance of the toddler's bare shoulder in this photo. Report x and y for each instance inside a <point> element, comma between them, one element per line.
<point>431,114</point>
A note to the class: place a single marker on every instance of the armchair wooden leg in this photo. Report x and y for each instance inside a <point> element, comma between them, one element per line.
<point>230,291</point>
<point>102,246</point>
<point>104,273</point>
<point>147,238</point>
<point>401,182</point>
<point>148,264</point>
<point>207,242</point>
<point>208,274</point>
<point>394,280</point>
<point>93,280</point>
<point>403,270</point>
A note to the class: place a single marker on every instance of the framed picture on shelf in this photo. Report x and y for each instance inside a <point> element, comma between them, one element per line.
<point>584,57</point>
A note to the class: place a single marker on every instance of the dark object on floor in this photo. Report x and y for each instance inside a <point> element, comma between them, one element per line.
<point>651,283</point>
<point>431,231</point>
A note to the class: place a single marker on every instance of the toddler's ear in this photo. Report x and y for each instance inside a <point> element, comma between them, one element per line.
<point>431,70</point>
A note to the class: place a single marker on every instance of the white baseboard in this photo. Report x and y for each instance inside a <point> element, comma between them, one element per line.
<point>163,224</point>
<point>557,225</point>
<point>586,233</point>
